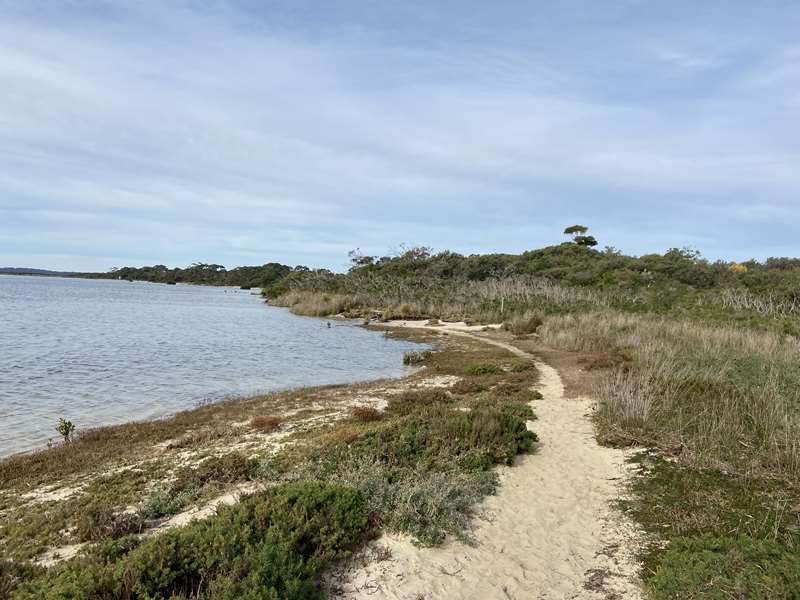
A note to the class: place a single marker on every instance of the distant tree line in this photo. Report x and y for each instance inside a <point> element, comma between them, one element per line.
<point>202,274</point>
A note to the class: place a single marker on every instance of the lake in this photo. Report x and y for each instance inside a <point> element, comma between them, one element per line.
<point>101,352</point>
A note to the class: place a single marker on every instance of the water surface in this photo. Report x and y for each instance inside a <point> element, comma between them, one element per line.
<point>103,352</point>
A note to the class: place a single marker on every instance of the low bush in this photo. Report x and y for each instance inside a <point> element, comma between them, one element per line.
<point>714,535</point>
<point>164,502</point>
<point>99,521</point>
<point>13,574</point>
<point>423,472</point>
<point>521,366</point>
<point>524,324</point>
<point>412,400</point>
<point>469,386</point>
<point>270,546</point>
<point>190,484</point>
<point>365,414</point>
<point>266,423</point>
<point>229,468</point>
<point>482,369</point>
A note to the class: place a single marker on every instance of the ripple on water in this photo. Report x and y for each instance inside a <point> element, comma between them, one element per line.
<point>104,352</point>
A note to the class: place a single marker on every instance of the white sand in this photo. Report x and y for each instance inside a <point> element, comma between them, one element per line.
<point>551,534</point>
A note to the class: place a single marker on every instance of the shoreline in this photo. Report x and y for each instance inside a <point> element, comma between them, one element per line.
<point>309,419</point>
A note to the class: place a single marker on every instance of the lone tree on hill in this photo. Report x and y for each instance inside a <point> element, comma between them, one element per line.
<point>578,235</point>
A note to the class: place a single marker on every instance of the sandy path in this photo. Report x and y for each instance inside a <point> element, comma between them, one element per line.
<point>550,532</point>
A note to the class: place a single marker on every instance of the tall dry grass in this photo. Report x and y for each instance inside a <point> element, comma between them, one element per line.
<point>763,304</point>
<point>316,304</point>
<point>728,397</point>
<point>493,300</point>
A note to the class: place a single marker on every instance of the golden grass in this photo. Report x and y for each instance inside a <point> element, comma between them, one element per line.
<point>728,397</point>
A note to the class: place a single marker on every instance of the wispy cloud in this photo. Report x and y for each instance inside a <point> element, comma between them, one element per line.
<point>134,132</point>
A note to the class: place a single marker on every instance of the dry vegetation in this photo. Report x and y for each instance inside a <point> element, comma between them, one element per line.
<point>726,397</point>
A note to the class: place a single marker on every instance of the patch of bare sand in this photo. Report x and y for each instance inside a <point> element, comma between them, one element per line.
<point>550,533</point>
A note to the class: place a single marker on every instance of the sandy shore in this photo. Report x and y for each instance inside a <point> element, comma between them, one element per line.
<point>549,533</point>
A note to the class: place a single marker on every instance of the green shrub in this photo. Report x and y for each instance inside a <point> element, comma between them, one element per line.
<point>719,568</point>
<point>422,473</point>
<point>482,369</point>
<point>13,574</point>
<point>521,366</point>
<point>65,429</point>
<point>163,502</point>
<point>270,546</point>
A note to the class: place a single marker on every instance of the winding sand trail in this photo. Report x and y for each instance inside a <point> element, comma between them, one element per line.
<point>549,533</point>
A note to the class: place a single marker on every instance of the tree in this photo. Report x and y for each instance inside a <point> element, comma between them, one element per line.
<point>576,230</point>
<point>579,237</point>
<point>585,240</point>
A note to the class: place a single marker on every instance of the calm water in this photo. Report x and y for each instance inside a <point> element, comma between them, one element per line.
<point>104,352</point>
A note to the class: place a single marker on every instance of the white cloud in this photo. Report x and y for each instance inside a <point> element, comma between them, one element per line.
<point>166,134</point>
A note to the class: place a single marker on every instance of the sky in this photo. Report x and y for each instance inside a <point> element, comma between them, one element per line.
<point>244,132</point>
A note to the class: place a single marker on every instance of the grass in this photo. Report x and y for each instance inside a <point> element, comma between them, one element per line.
<point>724,397</point>
<point>724,402</point>
<point>317,305</point>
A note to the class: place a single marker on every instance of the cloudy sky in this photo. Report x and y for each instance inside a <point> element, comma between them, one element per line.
<point>154,131</point>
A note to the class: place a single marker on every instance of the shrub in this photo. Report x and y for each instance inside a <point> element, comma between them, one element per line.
<point>482,369</point>
<point>190,483</point>
<point>413,400</point>
<point>521,366</point>
<point>524,324</point>
<point>269,546</point>
<point>416,358</point>
<point>365,414</point>
<point>99,521</point>
<point>266,423</point>
<point>421,474</point>
<point>13,574</point>
<point>468,386</point>
<point>164,502</point>
<point>230,468</point>
<point>65,429</point>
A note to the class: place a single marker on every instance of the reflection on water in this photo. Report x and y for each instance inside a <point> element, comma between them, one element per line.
<point>104,352</point>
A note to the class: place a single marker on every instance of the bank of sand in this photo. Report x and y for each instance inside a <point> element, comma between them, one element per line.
<point>551,532</point>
